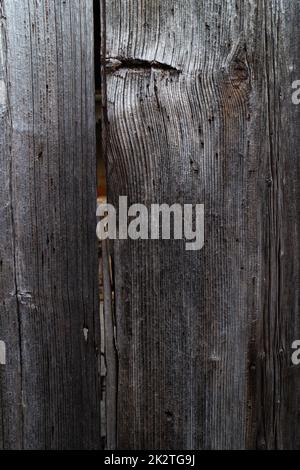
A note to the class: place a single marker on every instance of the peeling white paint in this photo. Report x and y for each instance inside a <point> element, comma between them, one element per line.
<point>85,334</point>
<point>2,353</point>
<point>2,93</point>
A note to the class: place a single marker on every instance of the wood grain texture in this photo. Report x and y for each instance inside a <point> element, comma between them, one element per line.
<point>199,111</point>
<point>49,387</point>
<point>111,383</point>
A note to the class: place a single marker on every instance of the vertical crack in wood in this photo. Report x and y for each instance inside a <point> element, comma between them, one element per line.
<point>110,351</point>
<point>111,356</point>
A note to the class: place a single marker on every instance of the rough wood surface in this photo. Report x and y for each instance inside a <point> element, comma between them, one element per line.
<point>199,110</point>
<point>110,351</point>
<point>49,386</point>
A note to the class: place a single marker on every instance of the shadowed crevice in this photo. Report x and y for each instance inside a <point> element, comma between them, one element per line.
<point>116,63</point>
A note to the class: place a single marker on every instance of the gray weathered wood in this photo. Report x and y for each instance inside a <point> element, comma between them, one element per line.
<point>199,111</point>
<point>110,351</point>
<point>49,387</point>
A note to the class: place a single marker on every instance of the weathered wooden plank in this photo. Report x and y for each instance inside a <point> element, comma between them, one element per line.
<point>277,380</point>
<point>199,112</point>
<point>10,385</point>
<point>49,387</point>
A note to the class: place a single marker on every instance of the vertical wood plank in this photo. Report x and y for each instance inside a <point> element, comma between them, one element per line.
<point>277,380</point>
<point>199,111</point>
<point>49,387</point>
